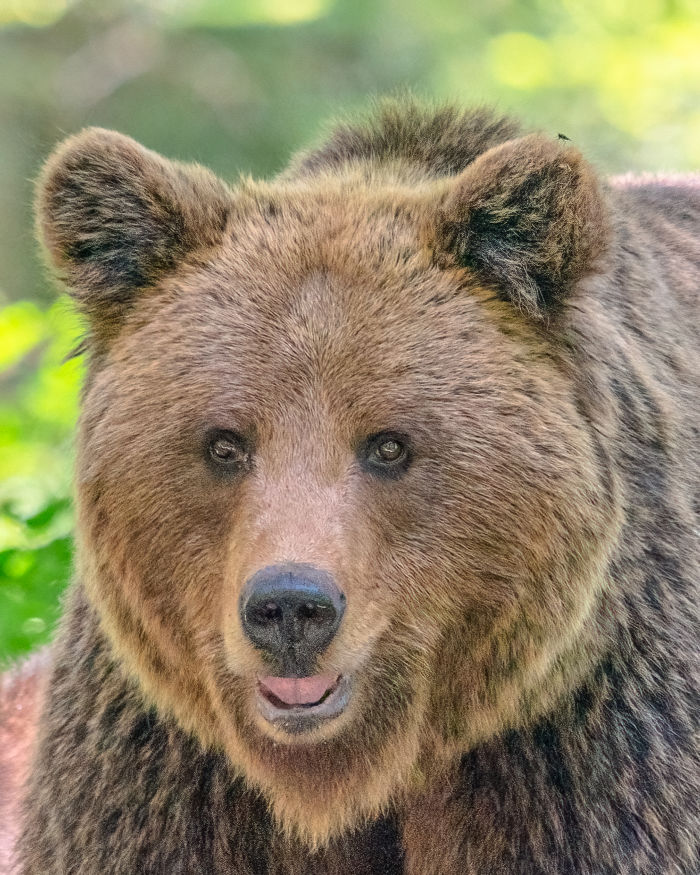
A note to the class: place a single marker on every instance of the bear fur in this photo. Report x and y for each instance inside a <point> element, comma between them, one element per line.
<point>522,605</point>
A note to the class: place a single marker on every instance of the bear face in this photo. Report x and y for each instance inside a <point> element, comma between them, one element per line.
<point>360,372</point>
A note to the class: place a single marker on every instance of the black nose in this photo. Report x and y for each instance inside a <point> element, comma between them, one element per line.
<point>291,612</point>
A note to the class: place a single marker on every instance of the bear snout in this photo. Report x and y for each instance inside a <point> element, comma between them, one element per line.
<point>291,612</point>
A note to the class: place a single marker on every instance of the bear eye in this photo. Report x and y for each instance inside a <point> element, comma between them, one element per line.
<point>228,450</point>
<point>386,453</point>
<point>389,451</point>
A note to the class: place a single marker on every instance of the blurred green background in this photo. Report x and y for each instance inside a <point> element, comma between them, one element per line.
<point>238,85</point>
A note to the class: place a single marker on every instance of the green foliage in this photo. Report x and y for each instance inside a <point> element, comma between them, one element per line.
<point>238,85</point>
<point>32,580</point>
<point>38,408</point>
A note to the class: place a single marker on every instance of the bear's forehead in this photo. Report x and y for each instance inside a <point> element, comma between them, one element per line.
<point>316,325</point>
<point>326,281</point>
<point>334,222</point>
<point>314,299</point>
<point>268,339</point>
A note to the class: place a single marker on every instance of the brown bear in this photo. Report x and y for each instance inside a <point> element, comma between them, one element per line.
<point>387,513</point>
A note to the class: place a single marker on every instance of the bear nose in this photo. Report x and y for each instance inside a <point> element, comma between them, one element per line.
<point>291,612</point>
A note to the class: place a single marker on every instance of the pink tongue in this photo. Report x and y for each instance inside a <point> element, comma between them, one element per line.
<point>299,691</point>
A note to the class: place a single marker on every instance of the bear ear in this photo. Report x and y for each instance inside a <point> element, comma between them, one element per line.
<point>528,217</point>
<point>115,217</point>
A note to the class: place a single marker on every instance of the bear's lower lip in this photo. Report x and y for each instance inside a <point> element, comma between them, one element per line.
<point>299,717</point>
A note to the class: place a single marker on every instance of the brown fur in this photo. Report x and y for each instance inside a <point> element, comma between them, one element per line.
<point>521,603</point>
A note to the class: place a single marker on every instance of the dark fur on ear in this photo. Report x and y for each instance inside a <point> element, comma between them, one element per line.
<point>529,218</point>
<point>115,217</point>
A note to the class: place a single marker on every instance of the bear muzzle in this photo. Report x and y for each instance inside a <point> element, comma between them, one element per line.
<point>290,613</point>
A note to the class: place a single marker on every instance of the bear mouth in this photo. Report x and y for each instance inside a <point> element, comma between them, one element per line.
<point>298,705</point>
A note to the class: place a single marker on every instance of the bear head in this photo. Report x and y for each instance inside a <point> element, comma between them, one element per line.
<point>340,511</point>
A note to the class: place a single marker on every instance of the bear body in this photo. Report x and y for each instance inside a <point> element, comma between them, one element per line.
<point>445,366</point>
